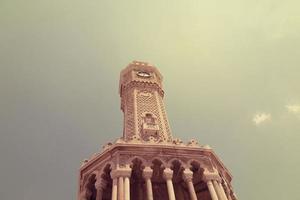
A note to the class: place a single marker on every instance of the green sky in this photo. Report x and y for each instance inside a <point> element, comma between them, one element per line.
<point>231,75</point>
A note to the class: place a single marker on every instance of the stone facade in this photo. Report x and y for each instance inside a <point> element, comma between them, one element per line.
<point>147,162</point>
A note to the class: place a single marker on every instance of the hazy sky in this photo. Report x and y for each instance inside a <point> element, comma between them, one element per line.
<point>231,75</point>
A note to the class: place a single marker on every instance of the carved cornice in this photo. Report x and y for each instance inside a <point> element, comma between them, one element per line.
<point>142,85</point>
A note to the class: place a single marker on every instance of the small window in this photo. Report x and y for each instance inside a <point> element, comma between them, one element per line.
<point>149,119</point>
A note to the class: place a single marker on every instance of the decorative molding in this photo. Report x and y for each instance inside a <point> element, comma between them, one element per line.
<point>193,143</point>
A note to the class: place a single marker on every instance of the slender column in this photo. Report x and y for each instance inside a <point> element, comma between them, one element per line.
<point>218,190</point>
<point>120,188</point>
<point>147,174</point>
<point>122,183</point>
<point>222,191</point>
<point>114,193</point>
<point>211,179</point>
<point>168,174</point>
<point>126,174</point>
<point>212,191</point>
<point>188,178</point>
<point>115,190</point>
<point>127,188</point>
<point>227,191</point>
<point>83,196</point>
<point>100,185</point>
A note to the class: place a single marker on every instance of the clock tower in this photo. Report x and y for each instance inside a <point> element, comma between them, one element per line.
<point>142,95</point>
<point>147,163</point>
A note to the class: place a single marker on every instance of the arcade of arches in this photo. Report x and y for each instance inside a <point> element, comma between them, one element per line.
<point>137,181</point>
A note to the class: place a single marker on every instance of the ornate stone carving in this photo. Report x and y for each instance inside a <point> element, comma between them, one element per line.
<point>147,173</point>
<point>84,162</point>
<point>168,174</point>
<point>121,172</point>
<point>187,175</point>
<point>135,139</point>
<point>177,141</point>
<point>209,176</point>
<point>193,143</point>
<point>100,184</point>
<point>107,146</point>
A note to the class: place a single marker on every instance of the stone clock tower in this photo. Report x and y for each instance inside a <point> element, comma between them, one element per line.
<point>147,163</point>
<point>141,94</point>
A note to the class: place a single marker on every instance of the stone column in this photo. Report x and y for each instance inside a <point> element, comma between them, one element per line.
<point>212,191</point>
<point>114,193</point>
<point>227,191</point>
<point>121,181</point>
<point>222,191</point>
<point>126,174</point>
<point>188,178</point>
<point>208,177</point>
<point>100,186</point>
<point>168,174</point>
<point>218,190</point>
<point>147,174</point>
<point>83,196</point>
<point>115,174</point>
<point>120,188</point>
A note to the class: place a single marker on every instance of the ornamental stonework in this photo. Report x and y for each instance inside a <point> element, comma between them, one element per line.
<point>147,163</point>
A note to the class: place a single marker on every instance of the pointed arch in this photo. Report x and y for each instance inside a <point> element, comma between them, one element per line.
<point>143,161</point>
<point>158,159</point>
<point>171,162</point>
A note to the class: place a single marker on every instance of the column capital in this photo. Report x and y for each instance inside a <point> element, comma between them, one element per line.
<point>120,172</point>
<point>210,176</point>
<point>147,173</point>
<point>100,184</point>
<point>187,175</point>
<point>168,174</point>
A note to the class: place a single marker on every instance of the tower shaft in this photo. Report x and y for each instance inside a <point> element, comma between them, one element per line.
<point>142,95</point>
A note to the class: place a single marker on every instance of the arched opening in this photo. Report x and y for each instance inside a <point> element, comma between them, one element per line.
<point>199,185</point>
<point>108,183</point>
<point>159,186</point>
<point>180,187</point>
<point>91,191</point>
<point>137,183</point>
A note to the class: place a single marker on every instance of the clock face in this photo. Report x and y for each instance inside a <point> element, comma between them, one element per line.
<point>143,74</point>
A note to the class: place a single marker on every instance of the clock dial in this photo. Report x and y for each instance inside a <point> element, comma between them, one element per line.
<point>143,74</point>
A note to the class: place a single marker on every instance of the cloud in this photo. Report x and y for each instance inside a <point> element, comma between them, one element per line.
<point>261,118</point>
<point>295,109</point>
